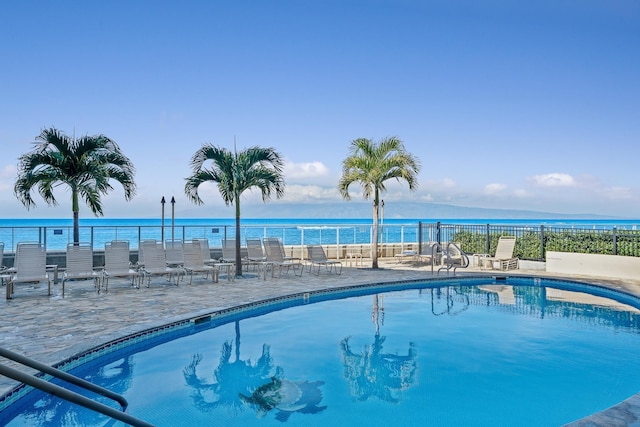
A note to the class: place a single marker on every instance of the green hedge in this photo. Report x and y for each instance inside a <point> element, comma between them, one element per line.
<point>528,243</point>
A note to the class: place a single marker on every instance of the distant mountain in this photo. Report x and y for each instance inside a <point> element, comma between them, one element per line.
<point>409,210</point>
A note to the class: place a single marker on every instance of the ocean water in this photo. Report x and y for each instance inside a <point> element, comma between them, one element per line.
<point>55,234</point>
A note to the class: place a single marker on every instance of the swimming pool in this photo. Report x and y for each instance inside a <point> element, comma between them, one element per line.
<point>519,351</point>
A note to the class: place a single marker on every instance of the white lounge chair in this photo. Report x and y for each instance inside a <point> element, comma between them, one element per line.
<point>174,253</point>
<point>80,265</point>
<point>206,251</point>
<point>117,263</point>
<point>229,251</point>
<point>503,258</point>
<point>256,256</point>
<point>154,263</point>
<point>193,262</point>
<point>275,258</point>
<point>318,258</point>
<point>30,267</point>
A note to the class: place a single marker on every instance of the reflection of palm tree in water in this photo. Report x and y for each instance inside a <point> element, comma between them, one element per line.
<point>374,373</point>
<point>53,411</point>
<point>258,384</point>
<point>231,377</point>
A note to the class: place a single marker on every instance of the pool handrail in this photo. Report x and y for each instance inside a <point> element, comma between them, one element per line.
<point>66,394</point>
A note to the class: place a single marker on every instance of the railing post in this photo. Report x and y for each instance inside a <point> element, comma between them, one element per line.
<point>542,248</point>
<point>420,237</point>
<point>615,241</point>
<point>438,233</point>
<point>488,241</point>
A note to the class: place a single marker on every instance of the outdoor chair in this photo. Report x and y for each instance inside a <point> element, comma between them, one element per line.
<point>117,263</point>
<point>275,258</point>
<point>503,258</point>
<point>174,253</point>
<point>30,267</point>
<point>154,263</point>
<point>256,256</point>
<point>318,258</point>
<point>80,265</point>
<point>193,262</point>
<point>206,251</point>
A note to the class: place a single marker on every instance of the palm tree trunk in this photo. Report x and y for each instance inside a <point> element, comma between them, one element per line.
<point>238,254</point>
<point>374,249</point>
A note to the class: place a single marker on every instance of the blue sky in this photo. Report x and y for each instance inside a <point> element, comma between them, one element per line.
<point>507,104</point>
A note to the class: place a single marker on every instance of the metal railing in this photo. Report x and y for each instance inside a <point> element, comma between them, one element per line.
<point>67,394</point>
<point>532,241</point>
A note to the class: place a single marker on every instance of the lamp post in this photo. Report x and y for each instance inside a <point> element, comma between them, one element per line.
<point>173,215</point>
<point>162,202</point>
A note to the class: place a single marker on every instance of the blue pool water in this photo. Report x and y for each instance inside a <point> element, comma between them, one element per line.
<point>444,353</point>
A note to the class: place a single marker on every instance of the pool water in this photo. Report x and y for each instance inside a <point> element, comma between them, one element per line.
<point>515,352</point>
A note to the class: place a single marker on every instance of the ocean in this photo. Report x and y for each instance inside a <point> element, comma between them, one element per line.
<point>57,233</point>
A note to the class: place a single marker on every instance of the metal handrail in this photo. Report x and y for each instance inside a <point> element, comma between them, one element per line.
<point>64,393</point>
<point>464,262</point>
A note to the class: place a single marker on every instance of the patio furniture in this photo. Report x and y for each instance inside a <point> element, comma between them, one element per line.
<point>503,258</point>
<point>318,258</point>
<point>30,267</point>
<point>275,257</point>
<point>117,263</point>
<point>193,262</point>
<point>256,256</point>
<point>80,265</point>
<point>174,253</point>
<point>154,263</point>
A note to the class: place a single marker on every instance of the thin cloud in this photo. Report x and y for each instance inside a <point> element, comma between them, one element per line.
<point>554,180</point>
<point>494,188</point>
<point>442,183</point>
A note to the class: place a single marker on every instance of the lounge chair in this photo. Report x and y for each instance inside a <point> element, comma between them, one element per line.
<point>276,240</point>
<point>30,267</point>
<point>174,253</point>
<point>4,274</point>
<point>317,257</point>
<point>256,256</point>
<point>154,263</point>
<point>80,265</point>
<point>206,251</point>
<point>193,262</point>
<point>117,263</point>
<point>229,251</point>
<point>503,258</point>
<point>274,253</point>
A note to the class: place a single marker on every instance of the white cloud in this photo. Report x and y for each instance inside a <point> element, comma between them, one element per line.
<point>620,193</point>
<point>554,180</point>
<point>444,183</point>
<point>494,188</point>
<point>310,193</point>
<point>521,193</point>
<point>305,171</point>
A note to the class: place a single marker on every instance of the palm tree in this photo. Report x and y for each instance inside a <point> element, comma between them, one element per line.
<point>235,172</point>
<point>371,164</point>
<point>85,164</point>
